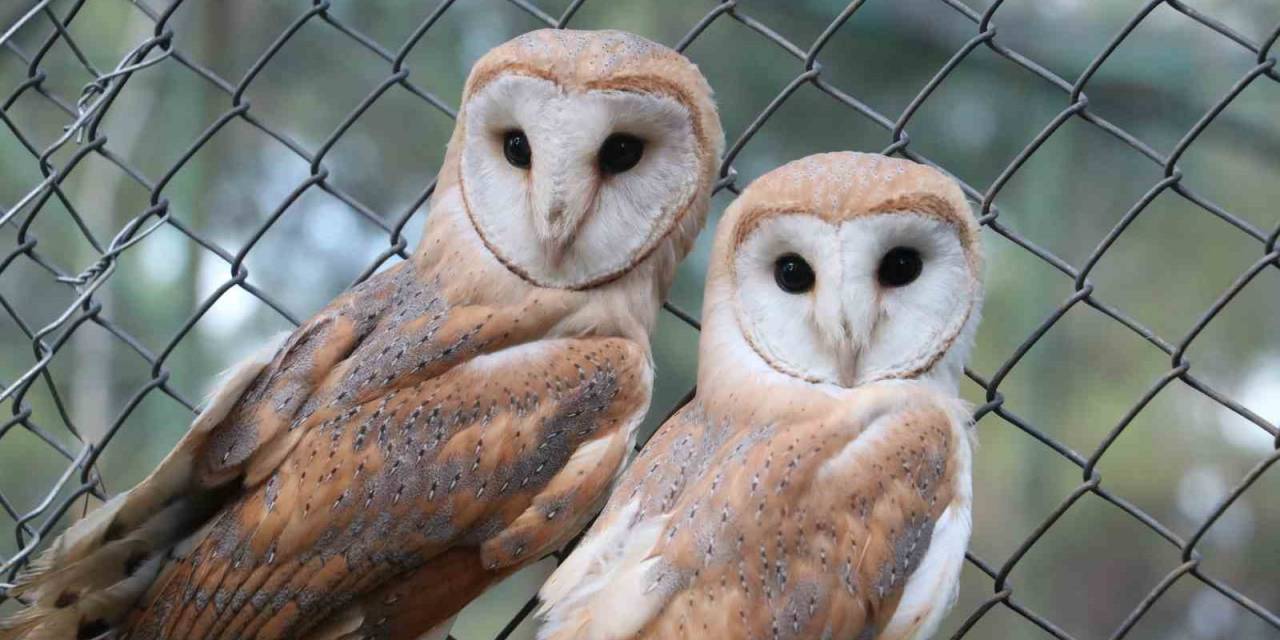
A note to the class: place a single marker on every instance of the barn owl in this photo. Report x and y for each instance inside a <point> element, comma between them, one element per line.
<point>818,484</point>
<point>450,419</point>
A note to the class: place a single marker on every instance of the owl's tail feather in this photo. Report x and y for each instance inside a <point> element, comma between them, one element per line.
<point>91,575</point>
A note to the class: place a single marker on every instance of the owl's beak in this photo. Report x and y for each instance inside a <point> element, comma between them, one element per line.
<point>847,355</point>
<point>858,319</point>
<point>560,208</point>
<point>557,226</point>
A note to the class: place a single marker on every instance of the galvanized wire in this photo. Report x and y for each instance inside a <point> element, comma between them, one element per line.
<point>32,526</point>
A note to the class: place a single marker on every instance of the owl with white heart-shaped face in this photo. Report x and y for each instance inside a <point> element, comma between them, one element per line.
<point>447,421</point>
<point>818,483</point>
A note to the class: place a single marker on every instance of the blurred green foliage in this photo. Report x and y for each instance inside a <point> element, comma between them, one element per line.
<point>1176,460</point>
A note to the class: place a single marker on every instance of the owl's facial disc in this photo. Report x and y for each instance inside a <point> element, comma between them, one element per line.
<point>570,188</point>
<point>854,301</point>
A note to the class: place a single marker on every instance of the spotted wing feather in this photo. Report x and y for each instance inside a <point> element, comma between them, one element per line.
<point>804,530</point>
<point>395,337</point>
<point>486,466</point>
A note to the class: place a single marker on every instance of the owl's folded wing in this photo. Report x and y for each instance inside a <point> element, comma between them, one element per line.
<point>508,456</point>
<point>486,466</point>
<point>594,418</point>
<point>806,530</point>
<point>886,522</point>
<point>392,334</point>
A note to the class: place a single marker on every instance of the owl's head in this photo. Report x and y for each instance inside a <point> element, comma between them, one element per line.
<point>579,153</point>
<point>845,269</point>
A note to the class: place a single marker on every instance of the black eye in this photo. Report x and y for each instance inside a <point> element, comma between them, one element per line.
<point>900,267</point>
<point>793,274</point>
<point>516,148</point>
<point>620,152</point>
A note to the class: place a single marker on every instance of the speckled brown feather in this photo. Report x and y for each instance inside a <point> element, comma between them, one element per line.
<point>399,457</point>
<point>765,543</point>
<point>770,530</point>
<point>407,607</point>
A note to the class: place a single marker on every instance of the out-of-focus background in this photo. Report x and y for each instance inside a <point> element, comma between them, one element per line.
<point>224,134</point>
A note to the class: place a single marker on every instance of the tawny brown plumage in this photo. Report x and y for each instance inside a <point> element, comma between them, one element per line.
<point>778,503</point>
<point>429,432</point>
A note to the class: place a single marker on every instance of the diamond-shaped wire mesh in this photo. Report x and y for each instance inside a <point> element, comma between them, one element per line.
<point>128,255</point>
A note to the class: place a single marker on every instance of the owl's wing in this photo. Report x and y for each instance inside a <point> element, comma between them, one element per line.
<point>847,529</point>
<point>266,441</point>
<point>493,463</point>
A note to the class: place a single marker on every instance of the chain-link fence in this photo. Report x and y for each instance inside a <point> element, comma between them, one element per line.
<point>94,176</point>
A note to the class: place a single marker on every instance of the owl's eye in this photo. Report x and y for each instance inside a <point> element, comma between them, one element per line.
<point>899,267</point>
<point>515,146</point>
<point>620,152</point>
<point>793,274</point>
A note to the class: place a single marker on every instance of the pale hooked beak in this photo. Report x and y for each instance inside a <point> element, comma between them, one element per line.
<point>847,354</point>
<point>563,196</point>
<point>858,317</point>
